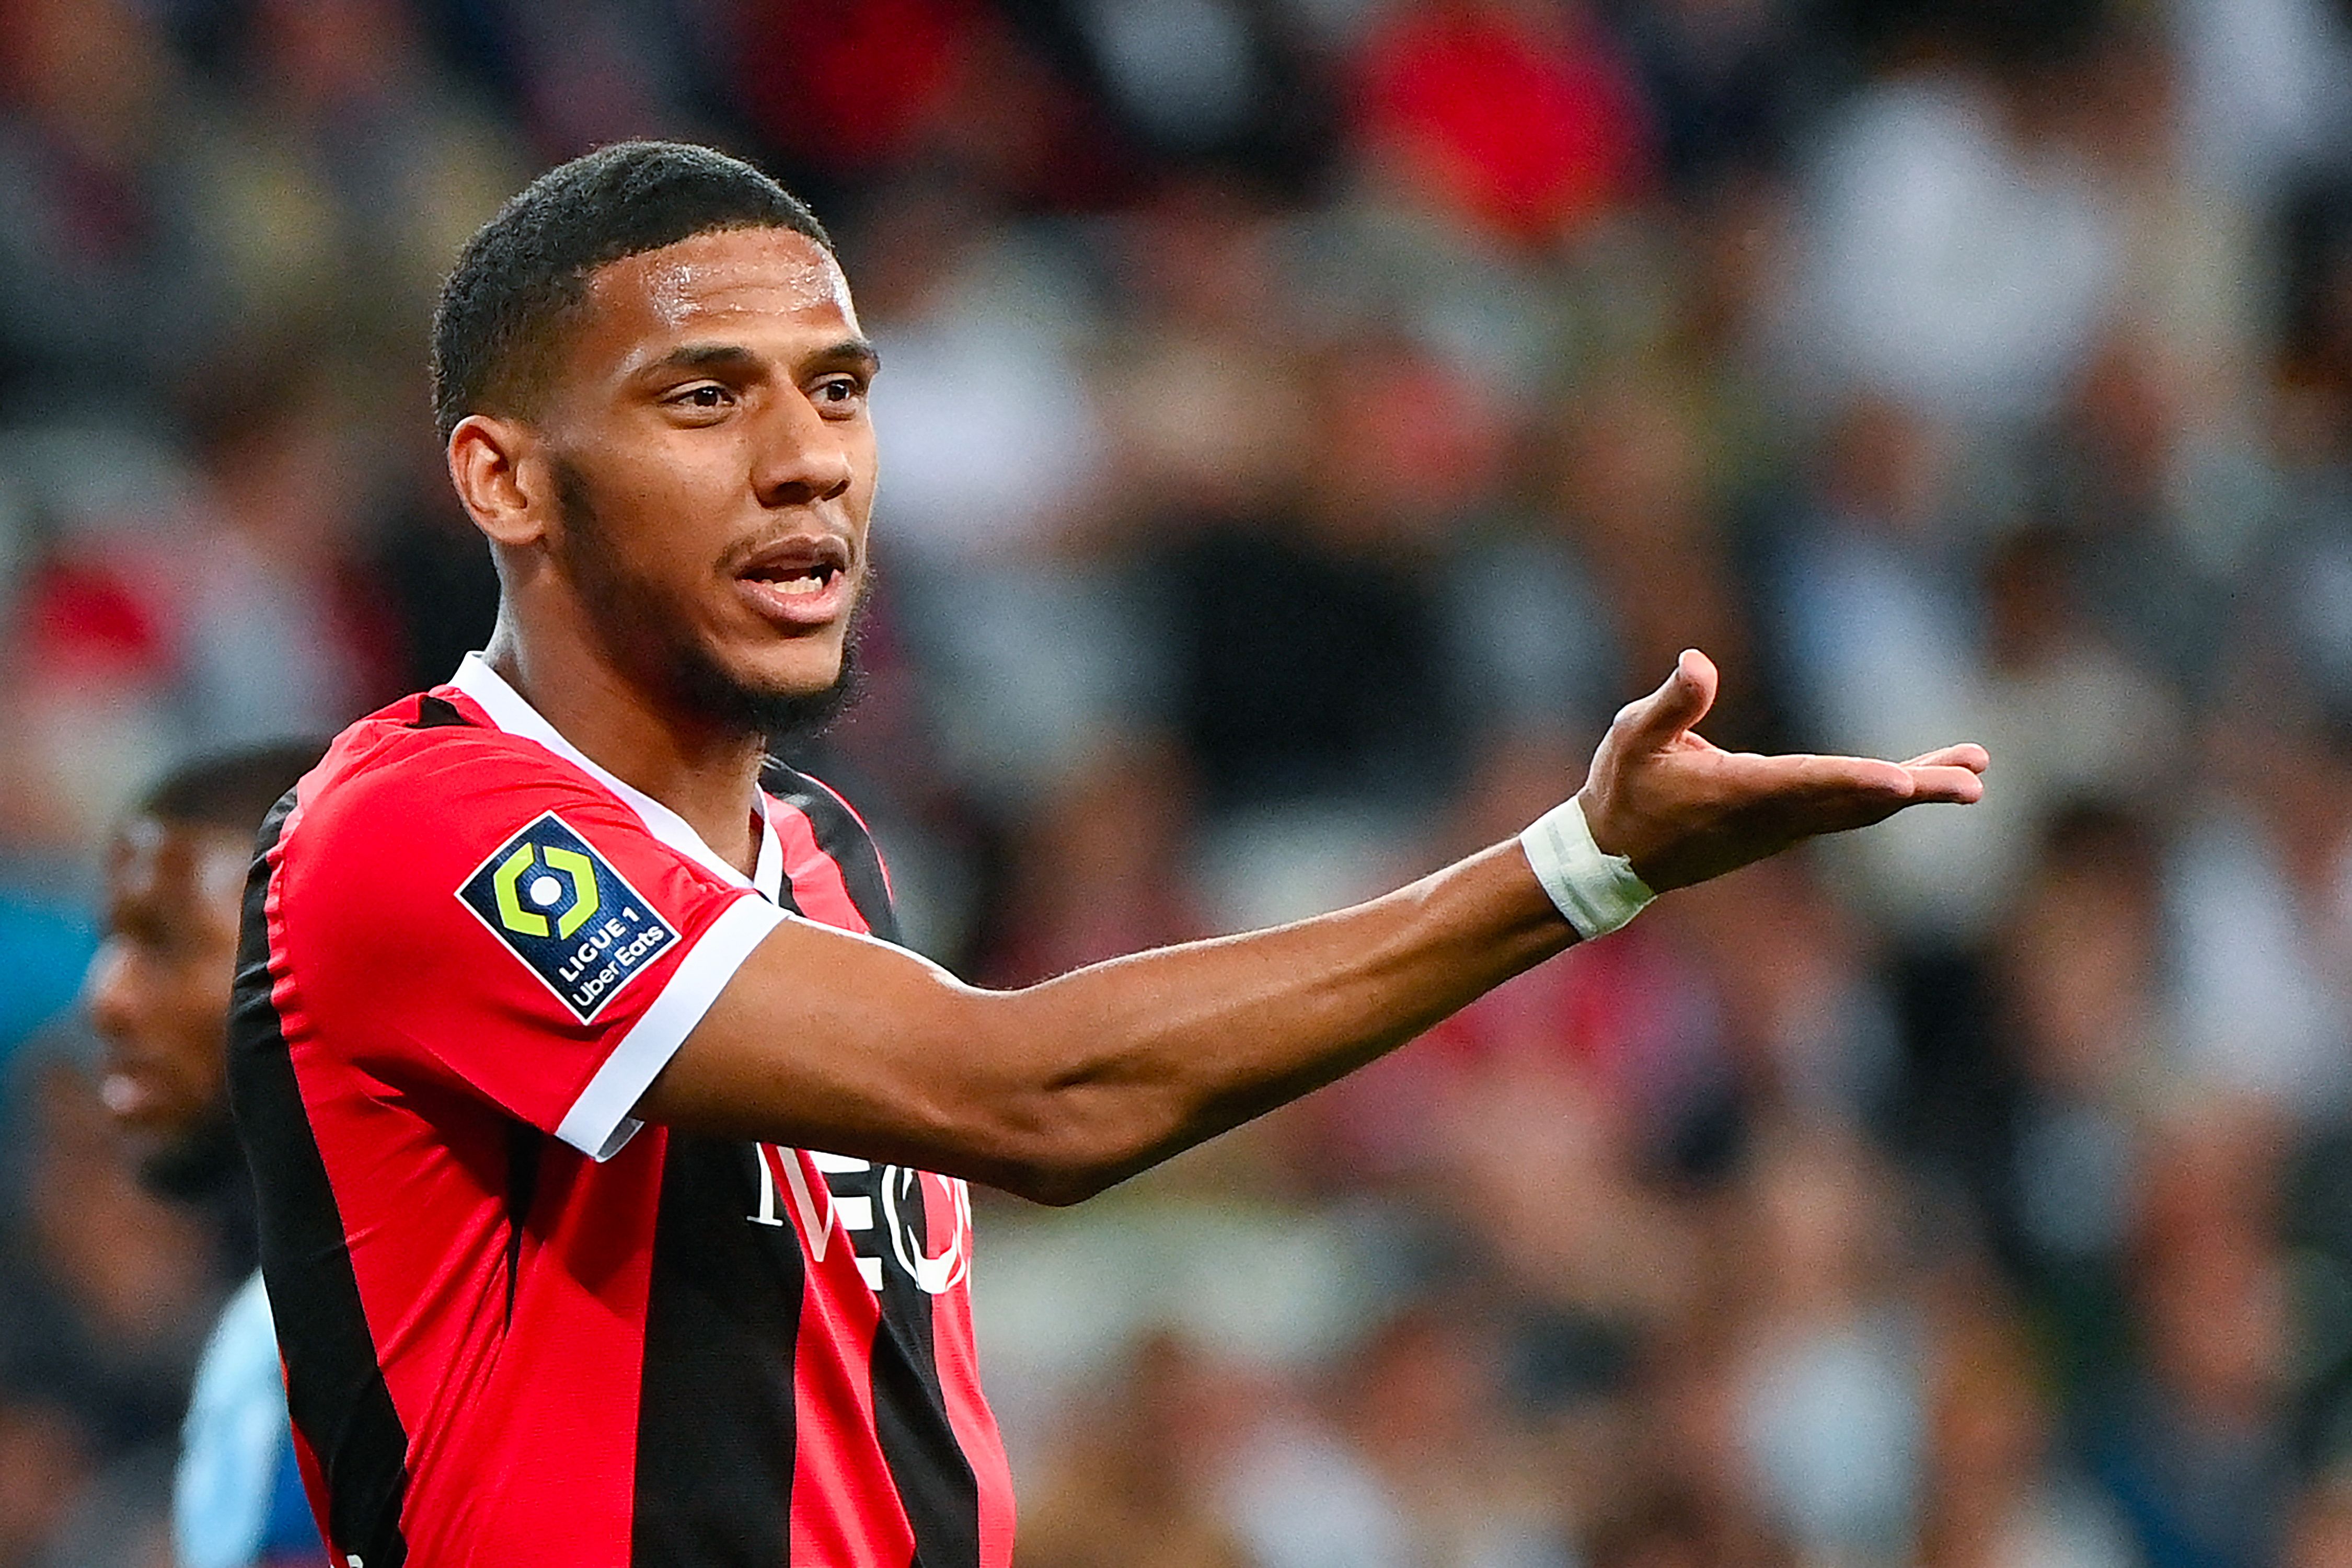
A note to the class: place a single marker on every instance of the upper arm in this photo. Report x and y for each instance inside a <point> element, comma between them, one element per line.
<point>508,928</point>
<point>822,1039</point>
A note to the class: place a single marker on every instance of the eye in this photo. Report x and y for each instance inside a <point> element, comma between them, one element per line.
<point>844,393</point>
<point>702,402</point>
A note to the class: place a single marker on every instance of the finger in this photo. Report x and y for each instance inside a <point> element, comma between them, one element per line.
<point>1664,716</point>
<point>1968,755</point>
<point>1956,785</point>
<point>1798,775</point>
<point>1861,781</point>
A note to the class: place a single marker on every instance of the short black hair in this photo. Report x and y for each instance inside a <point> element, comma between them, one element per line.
<point>522,274</point>
<point>231,790</point>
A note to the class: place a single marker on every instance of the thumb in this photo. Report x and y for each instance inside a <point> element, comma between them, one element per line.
<point>1661,717</point>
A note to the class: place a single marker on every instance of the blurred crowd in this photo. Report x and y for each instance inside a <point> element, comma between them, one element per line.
<point>1304,423</point>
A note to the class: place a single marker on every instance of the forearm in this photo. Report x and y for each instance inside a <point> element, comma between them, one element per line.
<point>1143,1056</point>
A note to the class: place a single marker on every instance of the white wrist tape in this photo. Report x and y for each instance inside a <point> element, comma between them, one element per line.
<point>1596,891</point>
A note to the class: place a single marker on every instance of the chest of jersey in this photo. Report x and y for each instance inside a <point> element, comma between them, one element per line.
<point>876,1218</point>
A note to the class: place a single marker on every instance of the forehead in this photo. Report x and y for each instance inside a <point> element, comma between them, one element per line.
<point>738,285</point>
<point>176,864</point>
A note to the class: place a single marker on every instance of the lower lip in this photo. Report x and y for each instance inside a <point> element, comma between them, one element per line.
<point>820,608</point>
<point>126,1097</point>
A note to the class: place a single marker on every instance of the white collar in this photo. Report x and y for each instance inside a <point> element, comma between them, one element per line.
<point>512,713</point>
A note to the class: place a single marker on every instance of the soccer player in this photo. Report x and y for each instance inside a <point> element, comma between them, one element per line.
<point>611,1156</point>
<point>158,996</point>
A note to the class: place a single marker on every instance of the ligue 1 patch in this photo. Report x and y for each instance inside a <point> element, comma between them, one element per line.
<point>561,908</point>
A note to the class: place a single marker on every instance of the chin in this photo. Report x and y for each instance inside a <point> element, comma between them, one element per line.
<point>796,695</point>
<point>800,671</point>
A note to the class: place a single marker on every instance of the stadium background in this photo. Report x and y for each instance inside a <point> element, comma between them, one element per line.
<point>1305,421</point>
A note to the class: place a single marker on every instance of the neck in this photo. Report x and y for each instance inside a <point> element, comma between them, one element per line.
<point>706,772</point>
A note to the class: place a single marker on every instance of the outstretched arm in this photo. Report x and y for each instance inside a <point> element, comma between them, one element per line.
<point>828,1040</point>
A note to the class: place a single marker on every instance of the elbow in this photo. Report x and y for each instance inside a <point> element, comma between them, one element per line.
<point>1060,1173</point>
<point>1065,1151</point>
<point>1052,1186</point>
<point>1059,1121</point>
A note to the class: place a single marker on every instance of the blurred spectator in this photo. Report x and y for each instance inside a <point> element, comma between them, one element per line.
<point>2083,720</point>
<point>996,450</point>
<point>1307,669</point>
<point>604,71</point>
<point>2163,515</point>
<point>104,1295</point>
<point>2257,901</point>
<point>1831,1407</point>
<point>1136,1483</point>
<point>2189,1447</point>
<point>1998,1494</point>
<point>88,690</point>
<point>274,634</point>
<point>1727,80</point>
<point>430,571</point>
<point>1415,1469</point>
<point>2044,1121</point>
<point>1806,1025</point>
<point>354,173</point>
<point>1101,870</point>
<point>2267,87</point>
<point>110,266</point>
<point>1521,117</point>
<point>1949,255</point>
<point>1634,489</point>
<point>1882,640</point>
<point>1422,1406</point>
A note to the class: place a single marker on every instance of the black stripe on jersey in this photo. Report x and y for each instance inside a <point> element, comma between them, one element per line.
<point>526,1145</point>
<point>335,1389</point>
<point>437,713</point>
<point>715,1418</point>
<point>926,1462</point>
<point>844,839</point>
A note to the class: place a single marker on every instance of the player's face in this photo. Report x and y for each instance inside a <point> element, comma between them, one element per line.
<point>717,464</point>
<point>158,991</point>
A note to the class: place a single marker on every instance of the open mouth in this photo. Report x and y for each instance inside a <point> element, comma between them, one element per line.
<point>800,580</point>
<point>796,581</point>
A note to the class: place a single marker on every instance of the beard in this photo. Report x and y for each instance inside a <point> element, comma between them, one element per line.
<point>198,1162</point>
<point>649,640</point>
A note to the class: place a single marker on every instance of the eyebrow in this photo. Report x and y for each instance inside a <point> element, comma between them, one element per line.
<point>850,351</point>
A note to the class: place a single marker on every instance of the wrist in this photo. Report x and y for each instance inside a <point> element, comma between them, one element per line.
<point>1597,891</point>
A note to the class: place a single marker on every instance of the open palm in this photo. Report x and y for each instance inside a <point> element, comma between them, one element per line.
<point>1683,809</point>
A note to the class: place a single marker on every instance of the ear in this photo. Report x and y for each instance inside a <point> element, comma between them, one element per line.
<point>495,465</point>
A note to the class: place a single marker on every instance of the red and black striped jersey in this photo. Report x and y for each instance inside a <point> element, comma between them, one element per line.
<point>518,1327</point>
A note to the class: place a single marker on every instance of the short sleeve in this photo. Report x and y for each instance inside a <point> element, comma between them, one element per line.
<point>477,913</point>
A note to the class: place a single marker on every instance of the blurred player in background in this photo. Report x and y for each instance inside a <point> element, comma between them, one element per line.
<point>158,994</point>
<point>610,1171</point>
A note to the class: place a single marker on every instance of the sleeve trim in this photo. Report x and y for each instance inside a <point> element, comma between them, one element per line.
<point>599,1123</point>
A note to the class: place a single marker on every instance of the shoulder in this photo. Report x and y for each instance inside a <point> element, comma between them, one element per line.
<point>427,787</point>
<point>413,815</point>
<point>422,756</point>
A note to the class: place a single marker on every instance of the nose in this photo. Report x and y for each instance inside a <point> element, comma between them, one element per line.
<point>802,458</point>
<point>109,990</point>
